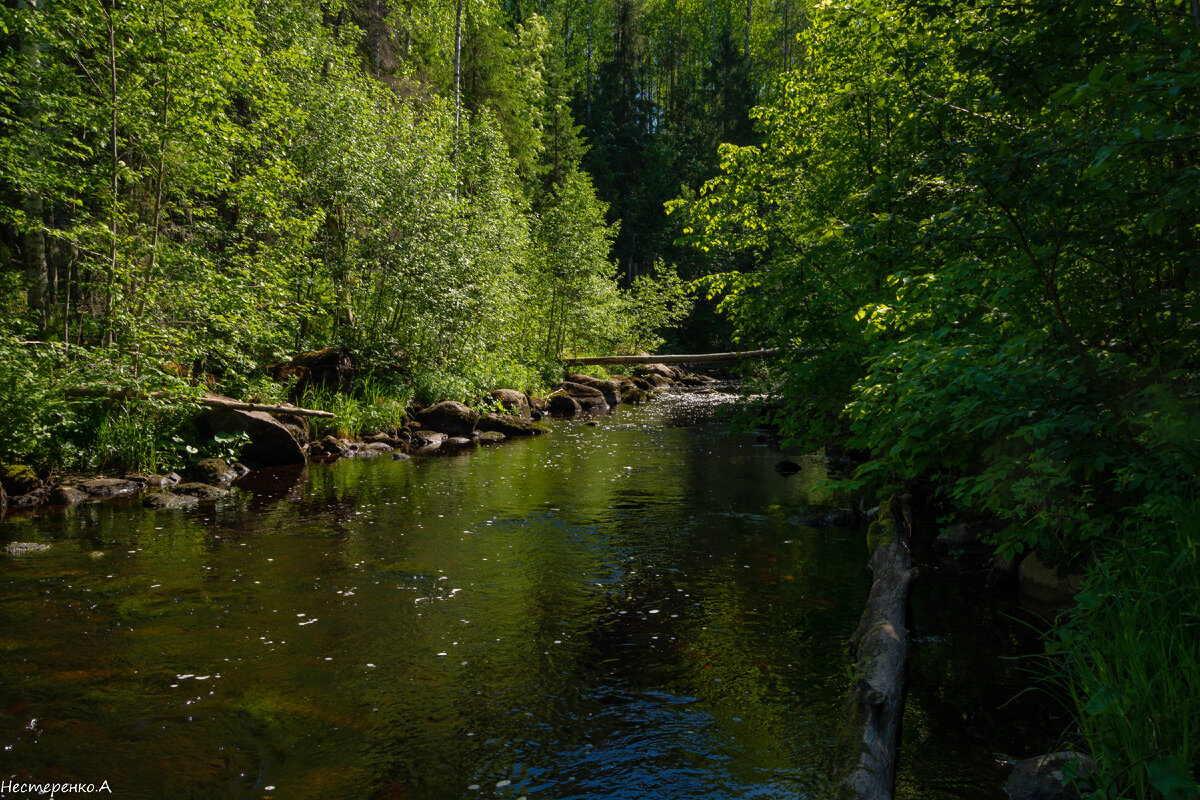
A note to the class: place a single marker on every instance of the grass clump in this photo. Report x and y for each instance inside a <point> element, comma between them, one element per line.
<point>372,405</point>
<point>1131,661</point>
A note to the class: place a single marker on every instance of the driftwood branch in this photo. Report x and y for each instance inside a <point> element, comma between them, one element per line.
<point>210,400</point>
<point>881,643</point>
<point>702,358</point>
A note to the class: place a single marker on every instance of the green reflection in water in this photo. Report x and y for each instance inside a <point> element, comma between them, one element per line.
<point>612,611</point>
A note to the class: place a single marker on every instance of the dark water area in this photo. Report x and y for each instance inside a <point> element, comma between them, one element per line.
<point>616,610</point>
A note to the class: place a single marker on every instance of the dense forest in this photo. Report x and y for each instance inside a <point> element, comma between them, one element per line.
<point>973,228</point>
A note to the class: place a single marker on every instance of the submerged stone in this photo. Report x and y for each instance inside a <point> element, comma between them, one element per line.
<point>168,501</point>
<point>18,549</point>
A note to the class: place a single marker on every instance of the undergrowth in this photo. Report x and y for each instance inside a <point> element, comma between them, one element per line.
<point>1130,652</point>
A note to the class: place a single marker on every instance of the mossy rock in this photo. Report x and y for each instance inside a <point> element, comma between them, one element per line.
<point>19,479</point>
<point>449,417</point>
<point>213,470</point>
<point>634,396</point>
<point>514,402</point>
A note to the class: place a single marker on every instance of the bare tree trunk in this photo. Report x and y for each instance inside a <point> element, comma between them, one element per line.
<point>699,358</point>
<point>457,65</point>
<point>881,644</point>
<point>589,62</point>
<point>712,32</point>
<point>749,3</point>
<point>114,187</point>
<point>785,50</point>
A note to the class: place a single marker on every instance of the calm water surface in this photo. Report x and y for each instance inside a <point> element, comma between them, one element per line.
<point>612,611</point>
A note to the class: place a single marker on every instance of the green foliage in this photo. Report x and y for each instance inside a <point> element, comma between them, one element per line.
<point>26,421</point>
<point>221,185</point>
<point>1130,652</point>
<point>973,231</point>
<point>948,257</point>
<point>657,300</point>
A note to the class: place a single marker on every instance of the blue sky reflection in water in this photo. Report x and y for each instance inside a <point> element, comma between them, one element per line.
<point>620,610</point>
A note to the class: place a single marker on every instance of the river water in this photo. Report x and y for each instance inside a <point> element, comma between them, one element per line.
<point>620,609</point>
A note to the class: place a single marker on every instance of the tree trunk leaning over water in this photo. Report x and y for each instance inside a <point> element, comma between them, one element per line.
<point>881,644</point>
<point>209,400</point>
<point>699,358</point>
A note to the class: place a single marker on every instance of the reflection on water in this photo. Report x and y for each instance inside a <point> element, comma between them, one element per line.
<point>618,610</point>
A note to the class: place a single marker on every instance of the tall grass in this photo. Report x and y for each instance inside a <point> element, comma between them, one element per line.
<point>1131,658</point>
<point>371,406</point>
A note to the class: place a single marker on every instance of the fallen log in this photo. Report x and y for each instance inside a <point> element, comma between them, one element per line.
<point>876,700</point>
<point>702,358</point>
<point>210,400</point>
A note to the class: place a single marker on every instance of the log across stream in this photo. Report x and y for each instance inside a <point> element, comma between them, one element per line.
<point>628,607</point>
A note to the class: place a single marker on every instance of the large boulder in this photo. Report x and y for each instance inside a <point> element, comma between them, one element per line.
<point>1044,584</point>
<point>587,397</point>
<point>516,403</point>
<point>67,496</point>
<point>564,404</point>
<point>19,479</point>
<point>661,370</point>
<point>510,425</point>
<point>272,443</point>
<point>449,417</point>
<point>611,389</point>
<point>331,368</point>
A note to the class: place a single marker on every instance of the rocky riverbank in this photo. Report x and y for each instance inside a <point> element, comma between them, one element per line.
<point>283,438</point>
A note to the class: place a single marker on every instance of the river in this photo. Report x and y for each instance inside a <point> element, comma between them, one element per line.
<point>620,609</point>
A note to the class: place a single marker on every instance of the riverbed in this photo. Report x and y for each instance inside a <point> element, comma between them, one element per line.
<point>625,608</point>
